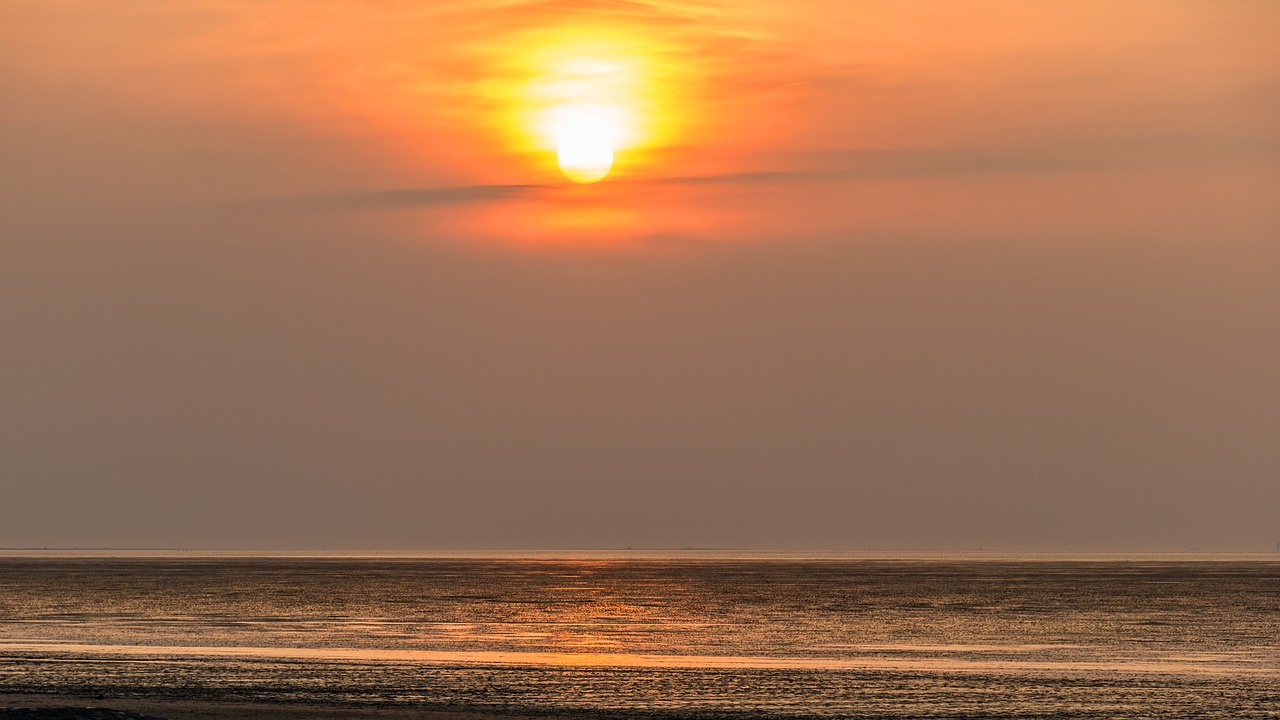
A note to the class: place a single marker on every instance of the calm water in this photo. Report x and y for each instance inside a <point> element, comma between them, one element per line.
<point>846,638</point>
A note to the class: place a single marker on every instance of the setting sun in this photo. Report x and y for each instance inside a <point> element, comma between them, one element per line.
<point>585,160</point>
<point>586,134</point>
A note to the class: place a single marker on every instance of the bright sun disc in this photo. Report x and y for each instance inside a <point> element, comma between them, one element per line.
<point>585,159</point>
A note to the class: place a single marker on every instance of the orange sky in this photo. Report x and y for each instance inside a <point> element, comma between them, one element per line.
<point>884,273</point>
<point>290,98</point>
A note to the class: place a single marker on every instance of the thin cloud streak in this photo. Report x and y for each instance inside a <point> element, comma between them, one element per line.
<point>400,197</point>
<point>836,166</point>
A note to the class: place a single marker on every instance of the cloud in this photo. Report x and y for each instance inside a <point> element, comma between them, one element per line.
<point>827,166</point>
<point>402,197</point>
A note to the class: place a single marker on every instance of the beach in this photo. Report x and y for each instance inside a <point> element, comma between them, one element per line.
<point>72,707</point>
<point>618,637</point>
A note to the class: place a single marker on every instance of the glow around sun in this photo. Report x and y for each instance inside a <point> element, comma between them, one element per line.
<point>587,111</point>
<point>589,102</point>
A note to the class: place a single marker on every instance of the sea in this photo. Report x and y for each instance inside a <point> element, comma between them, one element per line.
<point>657,635</point>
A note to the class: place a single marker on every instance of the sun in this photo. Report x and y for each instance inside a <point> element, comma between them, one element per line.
<point>585,135</point>
<point>585,160</point>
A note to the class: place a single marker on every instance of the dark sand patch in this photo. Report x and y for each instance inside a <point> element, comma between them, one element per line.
<point>70,713</point>
<point>70,707</point>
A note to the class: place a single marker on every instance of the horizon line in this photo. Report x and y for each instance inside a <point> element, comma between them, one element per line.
<point>635,552</point>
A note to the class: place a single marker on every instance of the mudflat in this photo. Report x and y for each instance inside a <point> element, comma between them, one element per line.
<point>76,707</point>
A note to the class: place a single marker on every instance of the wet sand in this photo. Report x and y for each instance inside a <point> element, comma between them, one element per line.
<point>77,707</point>
<point>639,640</point>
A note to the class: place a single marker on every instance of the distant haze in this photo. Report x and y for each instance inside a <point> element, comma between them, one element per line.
<point>890,275</point>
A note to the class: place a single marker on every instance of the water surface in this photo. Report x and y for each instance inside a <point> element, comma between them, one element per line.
<point>833,637</point>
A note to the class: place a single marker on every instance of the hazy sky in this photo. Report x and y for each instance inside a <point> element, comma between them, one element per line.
<point>866,275</point>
